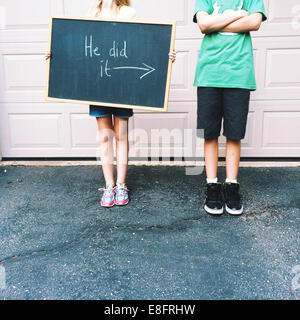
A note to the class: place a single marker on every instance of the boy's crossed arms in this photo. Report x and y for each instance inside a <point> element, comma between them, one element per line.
<point>229,21</point>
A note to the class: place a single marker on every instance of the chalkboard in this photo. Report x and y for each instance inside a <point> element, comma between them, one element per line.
<point>110,63</point>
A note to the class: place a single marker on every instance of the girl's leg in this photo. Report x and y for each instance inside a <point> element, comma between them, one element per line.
<point>122,148</point>
<point>233,152</point>
<point>105,136</point>
<point>211,154</point>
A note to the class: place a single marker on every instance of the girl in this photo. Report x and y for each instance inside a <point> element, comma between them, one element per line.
<point>114,121</point>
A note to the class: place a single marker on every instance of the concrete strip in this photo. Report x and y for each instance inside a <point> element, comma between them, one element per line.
<point>62,163</point>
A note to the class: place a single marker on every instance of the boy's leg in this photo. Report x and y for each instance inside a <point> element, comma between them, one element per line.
<point>236,108</point>
<point>214,202</point>
<point>211,155</point>
<point>209,122</point>
<point>233,152</point>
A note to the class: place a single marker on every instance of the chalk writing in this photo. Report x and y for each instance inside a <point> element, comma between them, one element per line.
<point>116,51</point>
<point>148,69</point>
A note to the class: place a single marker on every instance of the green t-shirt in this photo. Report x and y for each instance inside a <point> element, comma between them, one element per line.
<point>226,59</point>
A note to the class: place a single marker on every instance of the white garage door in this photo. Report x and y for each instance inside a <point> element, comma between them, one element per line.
<point>31,127</point>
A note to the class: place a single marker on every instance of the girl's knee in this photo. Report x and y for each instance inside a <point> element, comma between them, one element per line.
<point>105,136</point>
<point>121,137</point>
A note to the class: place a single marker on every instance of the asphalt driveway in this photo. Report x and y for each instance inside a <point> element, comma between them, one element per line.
<point>56,242</point>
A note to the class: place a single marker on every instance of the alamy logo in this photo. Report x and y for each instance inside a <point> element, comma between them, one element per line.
<point>176,143</point>
<point>2,278</point>
<point>296,19</point>
<point>296,279</point>
<point>2,17</point>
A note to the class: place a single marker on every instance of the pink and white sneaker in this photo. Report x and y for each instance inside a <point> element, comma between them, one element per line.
<point>108,196</point>
<point>121,194</point>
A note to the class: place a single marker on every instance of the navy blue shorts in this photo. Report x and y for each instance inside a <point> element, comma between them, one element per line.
<point>228,104</point>
<point>102,112</point>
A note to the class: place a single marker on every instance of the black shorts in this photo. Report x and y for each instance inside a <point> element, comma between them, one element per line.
<point>230,104</point>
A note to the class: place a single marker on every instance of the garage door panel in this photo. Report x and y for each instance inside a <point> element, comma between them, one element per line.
<point>18,13</point>
<point>27,21</point>
<point>24,73</point>
<point>179,75</point>
<point>32,130</point>
<point>282,11</point>
<point>183,71</point>
<point>281,129</point>
<point>256,60</point>
<point>150,128</point>
<point>154,130</point>
<point>29,69</point>
<point>278,128</point>
<point>83,131</point>
<point>282,19</point>
<point>280,68</point>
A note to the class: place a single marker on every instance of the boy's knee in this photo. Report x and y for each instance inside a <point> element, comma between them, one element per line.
<point>211,139</point>
<point>234,140</point>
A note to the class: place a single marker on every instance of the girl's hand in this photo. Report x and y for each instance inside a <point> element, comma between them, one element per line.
<point>172,55</point>
<point>47,55</point>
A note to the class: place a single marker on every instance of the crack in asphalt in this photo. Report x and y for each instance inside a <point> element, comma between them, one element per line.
<point>173,226</point>
<point>265,212</point>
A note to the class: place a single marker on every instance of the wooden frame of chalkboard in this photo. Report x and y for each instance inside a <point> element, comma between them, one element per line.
<point>163,107</point>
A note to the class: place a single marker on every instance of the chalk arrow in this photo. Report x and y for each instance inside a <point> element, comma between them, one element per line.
<point>147,68</point>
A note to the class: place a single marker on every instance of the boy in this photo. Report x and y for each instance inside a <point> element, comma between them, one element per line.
<point>224,77</point>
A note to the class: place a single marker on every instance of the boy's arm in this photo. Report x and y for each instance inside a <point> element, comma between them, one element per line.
<point>246,24</point>
<point>209,23</point>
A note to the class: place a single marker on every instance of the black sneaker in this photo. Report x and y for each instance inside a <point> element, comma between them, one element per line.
<point>232,198</point>
<point>214,201</point>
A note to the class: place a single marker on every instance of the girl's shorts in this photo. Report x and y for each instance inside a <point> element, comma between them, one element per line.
<point>102,112</point>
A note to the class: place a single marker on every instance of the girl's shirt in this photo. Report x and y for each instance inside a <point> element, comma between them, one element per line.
<point>124,12</point>
<point>226,59</point>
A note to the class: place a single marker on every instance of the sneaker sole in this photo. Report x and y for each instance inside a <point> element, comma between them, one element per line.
<point>213,212</point>
<point>107,205</point>
<point>121,204</point>
<point>234,212</point>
